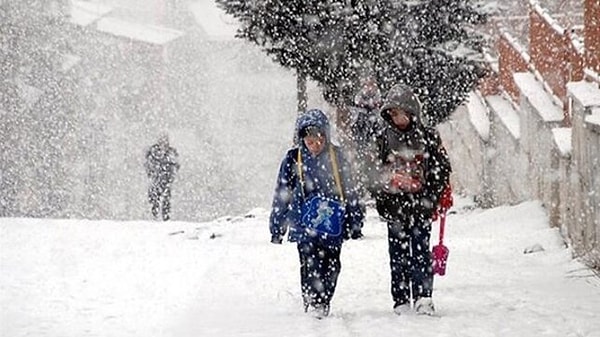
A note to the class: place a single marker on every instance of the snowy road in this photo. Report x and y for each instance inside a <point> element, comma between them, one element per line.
<point>82,278</point>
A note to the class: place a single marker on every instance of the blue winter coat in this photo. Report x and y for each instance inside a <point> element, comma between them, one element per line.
<point>318,181</point>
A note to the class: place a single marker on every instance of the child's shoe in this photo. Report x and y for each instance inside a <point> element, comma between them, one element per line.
<point>320,311</point>
<point>401,308</point>
<point>424,306</point>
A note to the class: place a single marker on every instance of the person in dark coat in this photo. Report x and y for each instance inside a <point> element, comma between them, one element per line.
<point>413,170</point>
<point>365,120</point>
<point>315,173</point>
<point>365,124</point>
<point>161,166</point>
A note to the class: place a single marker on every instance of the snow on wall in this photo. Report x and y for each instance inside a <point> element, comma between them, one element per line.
<point>516,46</point>
<point>467,152</point>
<point>534,92</point>
<point>547,17</point>
<point>538,117</point>
<point>506,114</point>
<point>507,174</point>
<point>562,139</point>
<point>541,163</point>
<point>592,75</point>
<point>588,95</point>
<point>478,115</point>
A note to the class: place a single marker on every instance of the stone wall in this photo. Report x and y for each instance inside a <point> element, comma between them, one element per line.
<point>582,224</point>
<point>542,139</point>
<point>468,140</point>
<point>525,153</point>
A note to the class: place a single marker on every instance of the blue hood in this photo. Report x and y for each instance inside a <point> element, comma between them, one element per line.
<point>312,117</point>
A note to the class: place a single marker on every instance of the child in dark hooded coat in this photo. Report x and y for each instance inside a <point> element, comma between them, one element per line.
<point>413,169</point>
<point>315,173</point>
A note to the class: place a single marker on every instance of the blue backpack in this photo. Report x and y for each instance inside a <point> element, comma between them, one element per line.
<point>321,216</point>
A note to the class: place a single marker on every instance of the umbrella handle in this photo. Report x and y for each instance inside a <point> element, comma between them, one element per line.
<point>442,225</point>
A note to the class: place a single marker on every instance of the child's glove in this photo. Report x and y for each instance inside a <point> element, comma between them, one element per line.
<point>276,239</point>
<point>446,200</point>
<point>356,234</point>
<point>405,183</point>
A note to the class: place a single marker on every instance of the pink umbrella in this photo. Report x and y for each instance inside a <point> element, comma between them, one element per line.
<point>439,251</point>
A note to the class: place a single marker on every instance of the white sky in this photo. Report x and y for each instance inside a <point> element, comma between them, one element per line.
<point>75,278</point>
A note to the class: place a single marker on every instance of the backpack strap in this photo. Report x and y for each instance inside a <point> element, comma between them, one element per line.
<point>336,173</point>
<point>300,173</point>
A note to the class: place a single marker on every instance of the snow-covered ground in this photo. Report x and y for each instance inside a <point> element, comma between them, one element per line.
<point>78,278</point>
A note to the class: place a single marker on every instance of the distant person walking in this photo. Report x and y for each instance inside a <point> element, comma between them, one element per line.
<point>161,166</point>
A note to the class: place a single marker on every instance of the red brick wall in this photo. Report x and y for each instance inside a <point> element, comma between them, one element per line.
<point>576,60</point>
<point>510,61</point>
<point>554,56</point>
<point>548,53</point>
<point>592,34</point>
<point>490,85</point>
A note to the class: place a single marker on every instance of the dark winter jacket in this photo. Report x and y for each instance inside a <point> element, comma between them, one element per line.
<point>318,181</point>
<point>365,120</point>
<point>161,163</point>
<point>418,150</point>
<point>365,125</point>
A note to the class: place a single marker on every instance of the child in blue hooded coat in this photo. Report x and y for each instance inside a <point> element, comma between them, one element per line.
<point>317,203</point>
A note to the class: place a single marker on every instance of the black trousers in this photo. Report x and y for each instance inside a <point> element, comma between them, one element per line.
<point>319,270</point>
<point>410,258</point>
<point>159,195</point>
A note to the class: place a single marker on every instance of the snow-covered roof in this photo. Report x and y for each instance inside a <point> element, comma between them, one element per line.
<point>588,94</point>
<point>478,115</point>
<point>540,99</point>
<point>506,113</point>
<point>84,13</point>
<point>215,22</point>
<point>562,139</point>
<point>137,31</point>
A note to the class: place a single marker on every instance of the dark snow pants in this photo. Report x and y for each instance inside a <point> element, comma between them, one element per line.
<point>159,195</point>
<point>410,258</point>
<point>319,269</point>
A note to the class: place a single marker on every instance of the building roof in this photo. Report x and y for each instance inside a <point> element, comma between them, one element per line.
<point>214,22</point>
<point>136,31</point>
<point>84,13</point>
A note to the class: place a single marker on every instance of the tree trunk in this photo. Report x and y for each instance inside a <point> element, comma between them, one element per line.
<point>301,90</point>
